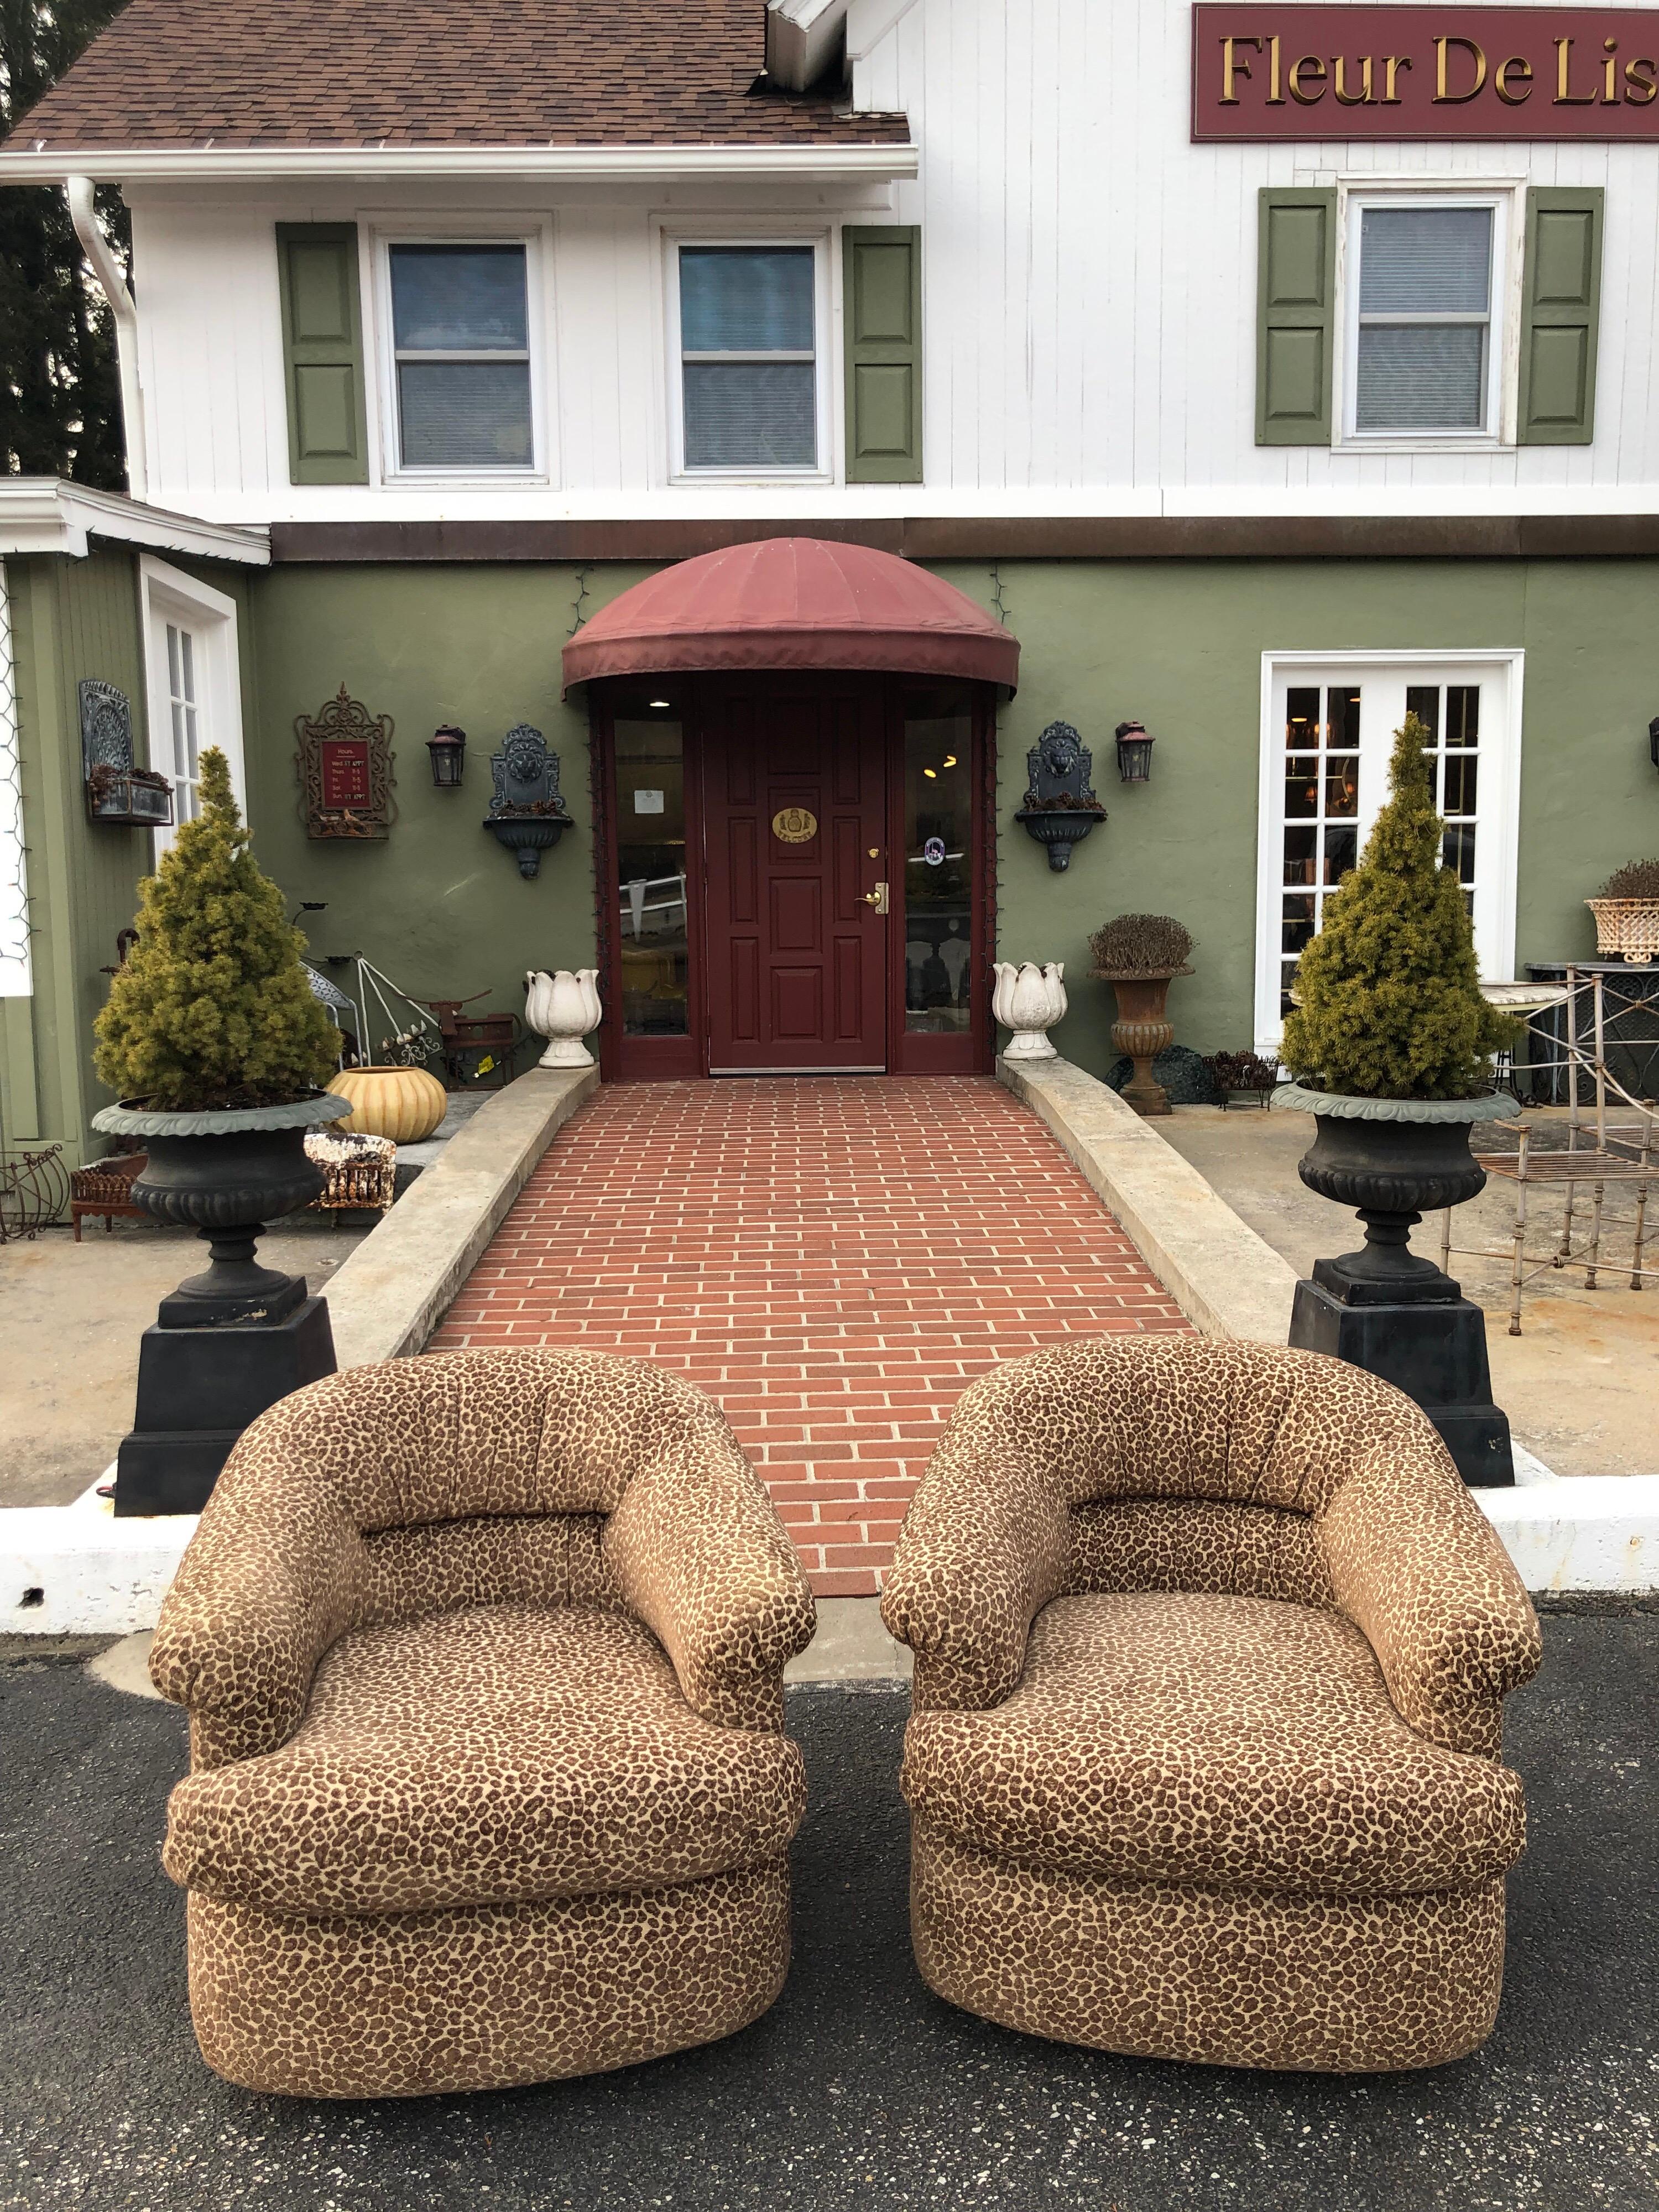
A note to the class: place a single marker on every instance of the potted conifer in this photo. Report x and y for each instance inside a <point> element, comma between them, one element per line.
<point>218,1050</point>
<point>1389,1044</point>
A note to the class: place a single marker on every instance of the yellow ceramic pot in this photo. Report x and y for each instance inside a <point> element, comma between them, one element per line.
<point>403,1104</point>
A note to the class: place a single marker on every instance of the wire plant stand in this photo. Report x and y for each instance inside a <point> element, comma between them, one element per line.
<point>1611,1145</point>
<point>381,1025</point>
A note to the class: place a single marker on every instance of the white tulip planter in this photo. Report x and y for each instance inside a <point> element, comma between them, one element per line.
<point>564,1008</point>
<point>1029,999</point>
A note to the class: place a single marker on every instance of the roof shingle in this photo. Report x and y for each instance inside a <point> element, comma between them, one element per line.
<point>433,73</point>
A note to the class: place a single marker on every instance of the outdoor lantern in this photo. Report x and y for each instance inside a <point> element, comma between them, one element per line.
<point>447,746</point>
<point>1134,753</point>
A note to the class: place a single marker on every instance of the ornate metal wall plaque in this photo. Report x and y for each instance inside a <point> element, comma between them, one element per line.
<point>132,797</point>
<point>795,825</point>
<point>345,770</point>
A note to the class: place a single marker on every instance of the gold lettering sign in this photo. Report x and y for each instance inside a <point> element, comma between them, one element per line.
<point>795,825</point>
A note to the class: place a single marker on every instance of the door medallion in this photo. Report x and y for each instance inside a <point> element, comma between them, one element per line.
<point>795,825</point>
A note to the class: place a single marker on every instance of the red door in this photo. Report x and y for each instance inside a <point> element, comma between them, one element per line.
<point>794,839</point>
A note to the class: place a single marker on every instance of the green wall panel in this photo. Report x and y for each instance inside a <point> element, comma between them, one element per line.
<point>1178,645</point>
<point>71,619</point>
<point>439,907</point>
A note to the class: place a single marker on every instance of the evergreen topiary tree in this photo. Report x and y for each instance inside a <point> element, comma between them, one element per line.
<point>212,1008</point>
<point>1390,1003</point>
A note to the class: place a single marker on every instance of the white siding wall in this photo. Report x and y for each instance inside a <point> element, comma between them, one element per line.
<point>1089,290</point>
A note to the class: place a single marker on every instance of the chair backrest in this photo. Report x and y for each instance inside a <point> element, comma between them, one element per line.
<point>1189,1463</point>
<point>474,1477</point>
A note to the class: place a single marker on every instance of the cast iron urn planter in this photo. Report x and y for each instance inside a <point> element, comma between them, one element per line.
<point>232,1340</point>
<point>1384,1308</point>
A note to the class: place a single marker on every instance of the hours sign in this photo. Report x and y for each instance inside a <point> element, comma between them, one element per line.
<point>1448,72</point>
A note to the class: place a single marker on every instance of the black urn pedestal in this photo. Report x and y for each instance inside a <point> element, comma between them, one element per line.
<point>232,1339</point>
<point>1387,1310</point>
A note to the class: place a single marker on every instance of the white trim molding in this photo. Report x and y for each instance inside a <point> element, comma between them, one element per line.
<point>168,596</point>
<point>1391,668</point>
<point>582,165</point>
<point>47,515</point>
<point>16,967</point>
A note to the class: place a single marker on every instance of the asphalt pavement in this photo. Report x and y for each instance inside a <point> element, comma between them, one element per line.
<point>858,2089</point>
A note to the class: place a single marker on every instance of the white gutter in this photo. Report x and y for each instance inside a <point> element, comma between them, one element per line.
<point>664,165</point>
<point>47,515</point>
<point>114,284</point>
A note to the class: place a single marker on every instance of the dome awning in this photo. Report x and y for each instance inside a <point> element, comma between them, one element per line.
<point>794,603</point>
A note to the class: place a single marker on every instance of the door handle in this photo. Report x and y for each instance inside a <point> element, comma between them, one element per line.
<point>876,898</point>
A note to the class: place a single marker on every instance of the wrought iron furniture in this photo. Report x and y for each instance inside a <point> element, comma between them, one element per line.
<point>1203,1762</point>
<point>106,1188</point>
<point>483,1653</point>
<point>1611,1138</point>
<point>476,1045</point>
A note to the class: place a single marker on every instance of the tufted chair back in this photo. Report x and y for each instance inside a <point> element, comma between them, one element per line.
<point>1183,1464</point>
<point>468,1478</point>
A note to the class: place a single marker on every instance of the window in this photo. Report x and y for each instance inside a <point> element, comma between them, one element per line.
<point>180,744</point>
<point>1327,736</point>
<point>193,684</point>
<point>1425,287</point>
<point>461,368</point>
<point>749,320</point>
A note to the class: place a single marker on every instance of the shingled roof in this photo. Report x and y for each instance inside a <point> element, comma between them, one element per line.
<point>433,73</point>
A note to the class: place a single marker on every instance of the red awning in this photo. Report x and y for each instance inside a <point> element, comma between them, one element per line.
<point>794,603</point>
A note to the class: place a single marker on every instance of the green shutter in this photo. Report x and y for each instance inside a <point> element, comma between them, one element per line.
<point>1296,313</point>
<point>882,316</point>
<point>323,343</point>
<point>1560,294</point>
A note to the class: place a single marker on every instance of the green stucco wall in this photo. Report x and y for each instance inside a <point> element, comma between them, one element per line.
<point>70,619</point>
<point>439,907</point>
<point>1177,644</point>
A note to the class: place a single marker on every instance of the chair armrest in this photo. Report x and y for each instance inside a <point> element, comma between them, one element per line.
<point>702,1557</point>
<point>985,1545</point>
<point>265,1586</point>
<point>1423,1574</point>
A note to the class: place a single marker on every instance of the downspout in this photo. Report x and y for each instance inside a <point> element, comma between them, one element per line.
<point>114,285</point>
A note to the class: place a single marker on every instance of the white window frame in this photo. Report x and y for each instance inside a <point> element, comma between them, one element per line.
<point>533,236</point>
<point>1504,318</point>
<point>817,237</point>
<point>167,595</point>
<point>1500,669</point>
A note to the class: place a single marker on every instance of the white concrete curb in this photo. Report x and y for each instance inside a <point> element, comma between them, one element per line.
<point>76,1571</point>
<point>1566,1533</point>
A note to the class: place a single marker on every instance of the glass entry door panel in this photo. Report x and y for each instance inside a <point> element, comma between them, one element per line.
<point>650,916</point>
<point>939,861</point>
<point>1330,736</point>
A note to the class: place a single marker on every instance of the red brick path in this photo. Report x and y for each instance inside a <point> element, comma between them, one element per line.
<point>833,1259</point>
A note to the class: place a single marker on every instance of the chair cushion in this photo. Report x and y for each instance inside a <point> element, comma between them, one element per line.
<point>1238,1742</point>
<point>490,1756</point>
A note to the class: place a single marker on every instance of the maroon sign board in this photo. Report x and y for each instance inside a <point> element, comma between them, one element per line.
<point>1264,72</point>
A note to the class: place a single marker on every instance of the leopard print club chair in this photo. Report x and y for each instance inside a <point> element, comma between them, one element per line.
<point>1204,1760</point>
<point>483,1655</point>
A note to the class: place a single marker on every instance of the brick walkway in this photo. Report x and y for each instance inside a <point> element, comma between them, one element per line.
<point>833,1259</point>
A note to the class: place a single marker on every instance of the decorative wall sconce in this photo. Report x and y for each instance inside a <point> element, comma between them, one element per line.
<point>1134,753</point>
<point>1059,809</point>
<point>526,812</point>
<point>1653,739</point>
<point>447,748</point>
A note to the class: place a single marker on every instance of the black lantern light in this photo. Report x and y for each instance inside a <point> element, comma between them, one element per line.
<point>1134,753</point>
<point>447,746</point>
<point>1653,739</point>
